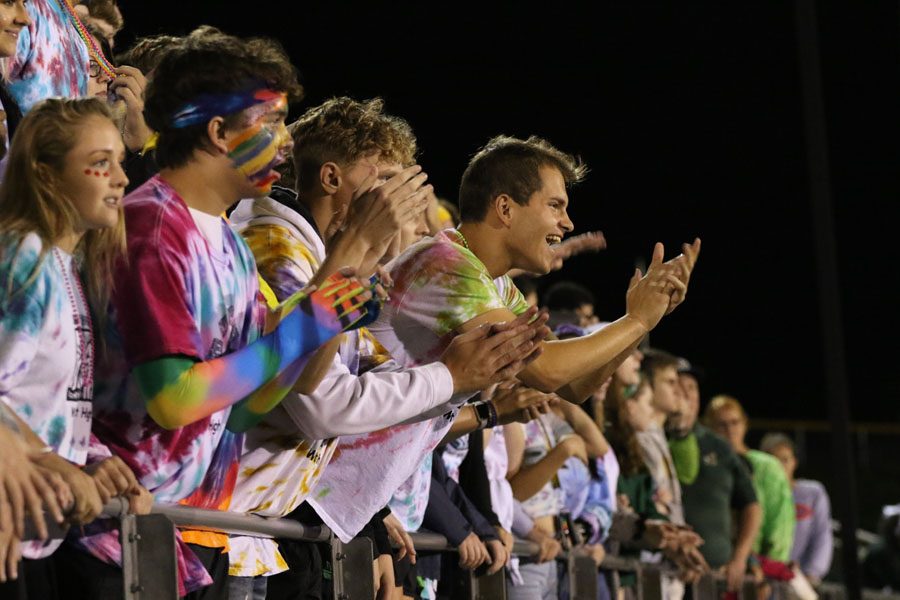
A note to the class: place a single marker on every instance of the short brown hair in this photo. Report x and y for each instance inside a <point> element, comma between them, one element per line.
<point>147,52</point>
<point>656,360</point>
<point>211,63</point>
<point>343,130</point>
<point>508,165</point>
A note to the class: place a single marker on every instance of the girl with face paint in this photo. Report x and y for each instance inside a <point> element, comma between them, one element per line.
<point>61,230</point>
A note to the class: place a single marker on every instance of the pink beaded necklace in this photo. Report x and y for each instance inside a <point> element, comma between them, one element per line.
<point>85,334</point>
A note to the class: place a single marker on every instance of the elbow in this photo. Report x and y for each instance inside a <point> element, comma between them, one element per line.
<point>544,380</point>
<point>167,419</point>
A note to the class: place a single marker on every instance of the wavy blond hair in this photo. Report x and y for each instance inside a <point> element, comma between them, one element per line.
<point>33,199</point>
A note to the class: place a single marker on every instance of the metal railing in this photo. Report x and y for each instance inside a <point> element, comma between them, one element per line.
<point>150,572</point>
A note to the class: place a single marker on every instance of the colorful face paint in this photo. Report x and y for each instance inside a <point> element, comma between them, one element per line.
<point>255,152</point>
<point>207,106</point>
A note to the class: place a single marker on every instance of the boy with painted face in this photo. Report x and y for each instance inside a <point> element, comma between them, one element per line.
<point>193,359</point>
<point>358,192</point>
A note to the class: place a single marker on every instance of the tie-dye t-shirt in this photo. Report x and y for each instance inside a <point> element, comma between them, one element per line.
<point>176,296</point>
<point>45,351</point>
<point>51,59</point>
<point>439,285</point>
<point>43,375</point>
<point>280,465</point>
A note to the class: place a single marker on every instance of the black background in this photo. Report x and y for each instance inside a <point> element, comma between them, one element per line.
<point>690,117</point>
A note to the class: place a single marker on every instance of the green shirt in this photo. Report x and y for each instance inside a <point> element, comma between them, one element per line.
<point>722,483</point>
<point>776,535</point>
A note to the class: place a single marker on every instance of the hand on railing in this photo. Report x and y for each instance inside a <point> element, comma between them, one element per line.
<point>400,537</point>
<point>499,555</point>
<point>472,552</point>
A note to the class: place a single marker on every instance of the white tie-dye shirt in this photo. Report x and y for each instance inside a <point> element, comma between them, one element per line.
<point>439,285</point>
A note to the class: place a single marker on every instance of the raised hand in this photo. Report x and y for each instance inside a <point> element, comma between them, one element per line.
<point>684,265</point>
<point>129,86</point>
<point>378,211</point>
<point>592,241</point>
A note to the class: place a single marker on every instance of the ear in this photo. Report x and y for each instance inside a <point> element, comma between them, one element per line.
<point>330,177</point>
<point>215,131</point>
<point>503,208</point>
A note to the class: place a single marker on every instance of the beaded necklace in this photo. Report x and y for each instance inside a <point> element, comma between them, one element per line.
<point>88,40</point>
<point>84,334</point>
<point>463,238</point>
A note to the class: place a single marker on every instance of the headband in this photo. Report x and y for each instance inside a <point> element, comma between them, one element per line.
<point>208,106</point>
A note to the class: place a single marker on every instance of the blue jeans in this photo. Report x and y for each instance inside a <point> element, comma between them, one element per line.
<point>247,588</point>
<point>540,582</point>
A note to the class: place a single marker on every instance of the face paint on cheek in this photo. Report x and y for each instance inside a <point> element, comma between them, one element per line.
<point>255,153</point>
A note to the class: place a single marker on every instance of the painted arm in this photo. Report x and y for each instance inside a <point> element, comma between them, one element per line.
<point>179,390</point>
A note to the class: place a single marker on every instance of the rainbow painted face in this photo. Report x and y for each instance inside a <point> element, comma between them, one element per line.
<point>264,143</point>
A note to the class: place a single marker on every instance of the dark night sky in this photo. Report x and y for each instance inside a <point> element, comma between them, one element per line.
<point>690,117</point>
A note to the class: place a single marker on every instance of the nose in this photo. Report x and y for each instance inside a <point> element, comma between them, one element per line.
<point>285,141</point>
<point>117,176</point>
<point>566,222</point>
<point>21,16</point>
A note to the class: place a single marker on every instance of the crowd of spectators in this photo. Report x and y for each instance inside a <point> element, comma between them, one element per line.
<point>204,305</point>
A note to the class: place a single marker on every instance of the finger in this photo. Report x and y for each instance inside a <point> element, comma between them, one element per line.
<point>400,179</point>
<point>17,504</point>
<point>131,99</point>
<point>48,495</point>
<point>658,254</point>
<point>104,486</point>
<point>522,319</point>
<point>635,278</point>
<point>6,516</point>
<point>35,508</point>
<point>366,184</point>
<point>120,481</point>
<point>127,84</point>
<point>131,72</point>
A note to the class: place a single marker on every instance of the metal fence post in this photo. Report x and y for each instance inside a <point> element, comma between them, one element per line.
<point>351,568</point>
<point>649,583</point>
<point>582,576</point>
<point>149,566</point>
<point>486,587</point>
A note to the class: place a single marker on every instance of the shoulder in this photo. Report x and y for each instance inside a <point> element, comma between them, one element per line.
<point>28,279</point>
<point>810,487</point>
<point>154,213</point>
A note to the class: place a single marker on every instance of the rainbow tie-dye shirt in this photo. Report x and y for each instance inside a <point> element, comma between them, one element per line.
<point>176,296</point>
<point>439,285</point>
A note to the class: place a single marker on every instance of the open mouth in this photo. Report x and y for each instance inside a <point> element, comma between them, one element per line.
<point>113,201</point>
<point>552,240</point>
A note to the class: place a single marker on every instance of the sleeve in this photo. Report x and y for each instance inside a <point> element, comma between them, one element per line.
<point>346,404</point>
<point>447,290</point>
<point>474,480</point>
<point>512,297</point>
<point>783,517</point>
<point>442,515</point>
<point>20,65</point>
<point>822,542</point>
<point>742,493</point>
<point>152,300</point>
<point>23,311</point>
<point>522,523</point>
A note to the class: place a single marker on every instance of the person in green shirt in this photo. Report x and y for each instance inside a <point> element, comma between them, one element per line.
<point>714,482</point>
<point>725,416</point>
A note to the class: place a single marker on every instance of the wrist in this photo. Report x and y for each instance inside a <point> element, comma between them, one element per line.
<point>637,322</point>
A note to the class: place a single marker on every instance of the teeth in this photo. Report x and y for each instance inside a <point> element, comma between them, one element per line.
<point>553,239</point>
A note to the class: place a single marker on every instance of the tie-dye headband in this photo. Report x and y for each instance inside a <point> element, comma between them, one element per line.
<point>208,106</point>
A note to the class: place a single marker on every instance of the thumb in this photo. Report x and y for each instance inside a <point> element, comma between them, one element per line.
<point>635,278</point>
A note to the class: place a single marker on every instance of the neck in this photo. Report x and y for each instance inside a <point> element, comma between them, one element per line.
<point>485,243</point>
<point>321,207</point>
<point>202,188</point>
<point>69,241</point>
<point>741,448</point>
